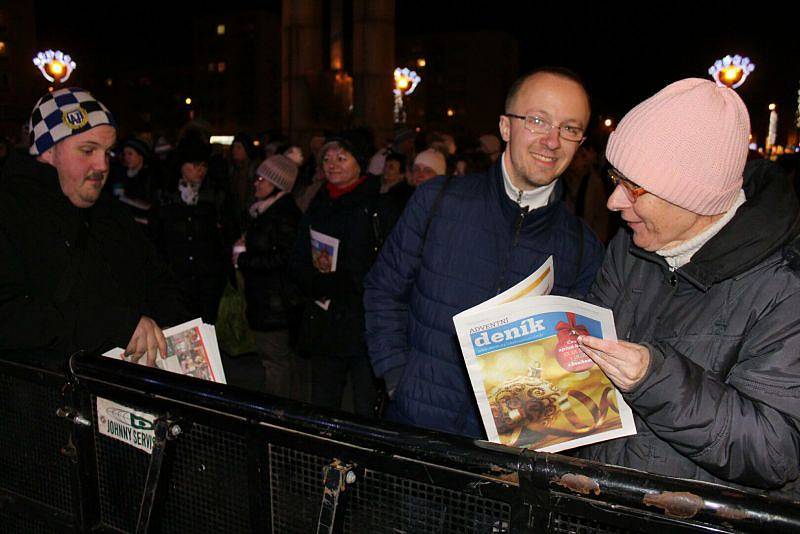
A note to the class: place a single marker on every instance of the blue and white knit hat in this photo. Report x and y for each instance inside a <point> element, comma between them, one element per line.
<point>62,113</point>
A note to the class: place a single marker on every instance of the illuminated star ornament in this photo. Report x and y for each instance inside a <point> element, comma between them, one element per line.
<point>56,67</point>
<point>405,81</point>
<point>731,71</point>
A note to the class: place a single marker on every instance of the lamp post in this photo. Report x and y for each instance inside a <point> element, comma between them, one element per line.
<point>56,67</point>
<point>772,132</point>
<point>405,81</point>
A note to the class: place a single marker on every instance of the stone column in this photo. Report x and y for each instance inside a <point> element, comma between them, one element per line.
<point>302,65</point>
<point>373,65</point>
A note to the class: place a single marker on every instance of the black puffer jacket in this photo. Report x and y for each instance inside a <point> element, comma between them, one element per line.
<point>720,401</point>
<point>74,278</point>
<point>359,220</point>
<point>269,242</point>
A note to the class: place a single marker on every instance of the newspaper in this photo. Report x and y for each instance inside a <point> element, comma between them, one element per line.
<point>324,252</point>
<point>534,386</point>
<point>192,350</point>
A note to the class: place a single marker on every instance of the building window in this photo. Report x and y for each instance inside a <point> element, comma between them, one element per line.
<point>2,48</point>
<point>221,67</point>
<point>220,29</point>
<point>212,67</point>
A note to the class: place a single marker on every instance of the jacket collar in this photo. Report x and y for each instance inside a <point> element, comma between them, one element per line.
<point>768,220</point>
<point>512,210</point>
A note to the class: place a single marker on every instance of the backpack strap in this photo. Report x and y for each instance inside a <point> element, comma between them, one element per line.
<point>434,208</point>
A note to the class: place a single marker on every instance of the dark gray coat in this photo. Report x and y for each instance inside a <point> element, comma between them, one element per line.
<point>720,401</point>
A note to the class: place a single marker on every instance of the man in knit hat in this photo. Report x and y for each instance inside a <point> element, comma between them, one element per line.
<point>462,241</point>
<point>705,296</point>
<point>75,272</point>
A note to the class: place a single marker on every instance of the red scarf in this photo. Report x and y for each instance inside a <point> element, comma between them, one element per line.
<point>335,192</point>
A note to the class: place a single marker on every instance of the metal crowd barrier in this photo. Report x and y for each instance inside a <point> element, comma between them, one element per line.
<point>228,460</point>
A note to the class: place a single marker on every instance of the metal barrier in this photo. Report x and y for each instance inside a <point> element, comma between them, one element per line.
<point>229,460</point>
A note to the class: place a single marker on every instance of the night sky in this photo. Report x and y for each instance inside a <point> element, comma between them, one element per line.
<point>625,55</point>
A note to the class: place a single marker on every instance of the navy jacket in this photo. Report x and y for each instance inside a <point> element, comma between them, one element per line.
<point>478,244</point>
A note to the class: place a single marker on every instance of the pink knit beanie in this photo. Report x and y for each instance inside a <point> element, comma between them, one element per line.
<point>686,144</point>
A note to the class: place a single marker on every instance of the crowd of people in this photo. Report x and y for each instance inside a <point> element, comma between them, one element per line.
<point>354,258</point>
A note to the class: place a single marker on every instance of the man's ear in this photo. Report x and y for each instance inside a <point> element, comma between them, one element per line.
<point>505,128</point>
<point>47,156</point>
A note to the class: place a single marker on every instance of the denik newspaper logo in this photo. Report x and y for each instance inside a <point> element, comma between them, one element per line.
<point>491,337</point>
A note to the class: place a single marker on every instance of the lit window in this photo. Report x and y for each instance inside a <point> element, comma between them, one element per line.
<point>220,29</point>
<point>212,67</point>
<point>221,66</point>
<point>2,48</point>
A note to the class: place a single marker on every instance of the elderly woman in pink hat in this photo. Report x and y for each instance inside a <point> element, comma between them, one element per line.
<point>705,294</point>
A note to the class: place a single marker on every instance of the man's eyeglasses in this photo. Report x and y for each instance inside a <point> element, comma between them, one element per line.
<point>632,190</point>
<point>535,124</point>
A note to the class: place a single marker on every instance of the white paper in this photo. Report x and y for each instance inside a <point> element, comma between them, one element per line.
<point>324,254</point>
<point>192,350</point>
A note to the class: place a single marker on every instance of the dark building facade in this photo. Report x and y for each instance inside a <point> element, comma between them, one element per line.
<point>467,73</point>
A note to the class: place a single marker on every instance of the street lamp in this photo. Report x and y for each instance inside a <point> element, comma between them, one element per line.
<point>56,67</point>
<point>731,71</point>
<point>772,132</point>
<point>405,81</point>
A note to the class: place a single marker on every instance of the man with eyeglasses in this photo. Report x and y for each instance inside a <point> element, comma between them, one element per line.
<point>463,240</point>
<point>705,289</point>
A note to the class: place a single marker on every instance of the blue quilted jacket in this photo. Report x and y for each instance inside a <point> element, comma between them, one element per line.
<point>478,244</point>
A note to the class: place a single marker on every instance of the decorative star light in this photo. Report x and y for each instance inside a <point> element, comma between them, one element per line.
<point>56,67</point>
<point>405,81</point>
<point>731,71</point>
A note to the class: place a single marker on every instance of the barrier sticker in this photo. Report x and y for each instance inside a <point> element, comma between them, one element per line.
<point>126,424</point>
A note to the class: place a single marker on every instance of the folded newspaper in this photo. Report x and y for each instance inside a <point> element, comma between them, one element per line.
<point>534,386</point>
<point>192,350</point>
<point>324,253</point>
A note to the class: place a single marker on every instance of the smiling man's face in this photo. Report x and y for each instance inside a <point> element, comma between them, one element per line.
<point>535,159</point>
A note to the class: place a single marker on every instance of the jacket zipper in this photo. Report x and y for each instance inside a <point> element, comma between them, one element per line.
<point>517,229</point>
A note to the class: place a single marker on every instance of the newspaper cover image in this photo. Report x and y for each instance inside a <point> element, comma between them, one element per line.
<point>324,252</point>
<point>534,386</point>
<point>192,350</point>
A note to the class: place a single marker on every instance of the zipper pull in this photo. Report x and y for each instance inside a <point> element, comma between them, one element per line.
<point>519,198</point>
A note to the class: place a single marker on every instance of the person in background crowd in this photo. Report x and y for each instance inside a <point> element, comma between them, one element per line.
<point>196,228</point>
<point>462,241</point>
<point>489,144</point>
<point>446,144</point>
<point>585,193</point>
<point>349,210</point>
<point>405,144</point>
<point>428,164</point>
<point>269,240</point>
<point>241,170</point>
<point>393,182</point>
<point>295,153</point>
<point>311,177</point>
<point>137,182</point>
<point>76,273</point>
<point>471,162</point>
<point>704,295</point>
